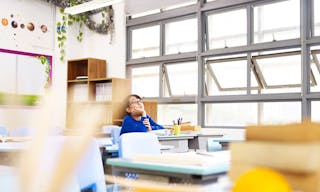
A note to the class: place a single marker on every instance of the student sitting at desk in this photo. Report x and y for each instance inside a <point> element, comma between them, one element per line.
<point>137,120</point>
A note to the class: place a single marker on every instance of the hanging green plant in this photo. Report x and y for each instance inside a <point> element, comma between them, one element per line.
<point>105,26</point>
<point>46,62</point>
<point>67,21</point>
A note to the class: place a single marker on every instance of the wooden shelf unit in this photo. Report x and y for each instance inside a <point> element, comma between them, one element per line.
<point>96,97</point>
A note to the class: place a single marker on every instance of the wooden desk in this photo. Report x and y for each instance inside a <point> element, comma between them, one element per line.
<point>10,151</point>
<point>163,169</point>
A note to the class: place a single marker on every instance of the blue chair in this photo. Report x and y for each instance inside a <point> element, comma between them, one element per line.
<point>131,144</point>
<point>48,166</point>
<point>20,132</point>
<point>88,173</point>
<point>114,131</point>
<point>3,131</point>
<point>213,145</point>
<point>115,134</point>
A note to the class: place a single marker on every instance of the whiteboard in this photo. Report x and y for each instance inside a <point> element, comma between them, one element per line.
<point>22,73</point>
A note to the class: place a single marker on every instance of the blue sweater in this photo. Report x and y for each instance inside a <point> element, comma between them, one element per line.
<point>131,125</point>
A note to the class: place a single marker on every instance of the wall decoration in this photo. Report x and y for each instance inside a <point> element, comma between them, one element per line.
<point>30,26</point>
<point>4,21</point>
<point>21,25</point>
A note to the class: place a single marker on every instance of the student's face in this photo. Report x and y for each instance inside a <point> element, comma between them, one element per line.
<point>135,106</point>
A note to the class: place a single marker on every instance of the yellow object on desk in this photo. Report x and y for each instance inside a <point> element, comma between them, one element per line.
<point>176,129</point>
<point>261,180</point>
<point>190,127</point>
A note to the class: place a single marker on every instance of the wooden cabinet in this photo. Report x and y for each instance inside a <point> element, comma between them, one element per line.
<point>151,108</point>
<point>92,96</point>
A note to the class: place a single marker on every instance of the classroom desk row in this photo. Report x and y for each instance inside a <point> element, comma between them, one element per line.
<point>200,169</point>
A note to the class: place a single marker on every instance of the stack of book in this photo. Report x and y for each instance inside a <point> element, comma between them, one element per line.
<point>293,150</point>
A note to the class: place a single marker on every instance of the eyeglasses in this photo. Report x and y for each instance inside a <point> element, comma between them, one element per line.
<point>135,101</point>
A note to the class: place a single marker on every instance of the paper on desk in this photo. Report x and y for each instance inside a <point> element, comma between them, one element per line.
<point>161,132</point>
<point>190,158</point>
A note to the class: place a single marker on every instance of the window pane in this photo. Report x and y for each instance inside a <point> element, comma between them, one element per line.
<point>317,17</point>
<point>231,114</point>
<point>228,76</point>
<point>183,78</point>
<point>315,111</point>
<point>280,112</point>
<point>242,114</point>
<point>279,72</point>
<point>146,42</point>
<point>169,112</point>
<point>315,68</point>
<point>145,81</point>
<point>272,23</point>
<point>227,29</point>
<point>177,40</point>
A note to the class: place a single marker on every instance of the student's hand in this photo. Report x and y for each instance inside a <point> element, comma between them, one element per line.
<point>147,124</point>
<point>140,111</point>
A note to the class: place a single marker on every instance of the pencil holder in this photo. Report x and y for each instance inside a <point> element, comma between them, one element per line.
<point>176,129</point>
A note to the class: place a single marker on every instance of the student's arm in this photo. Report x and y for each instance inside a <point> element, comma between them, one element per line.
<point>126,125</point>
<point>153,124</point>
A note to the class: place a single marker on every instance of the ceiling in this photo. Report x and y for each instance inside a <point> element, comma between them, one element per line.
<point>140,6</point>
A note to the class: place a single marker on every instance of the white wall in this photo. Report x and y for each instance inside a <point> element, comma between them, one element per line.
<point>93,45</point>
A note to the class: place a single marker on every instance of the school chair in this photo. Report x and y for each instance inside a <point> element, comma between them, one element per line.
<point>88,172</point>
<point>114,131</point>
<point>20,132</point>
<point>131,144</point>
<point>213,145</point>
<point>3,131</point>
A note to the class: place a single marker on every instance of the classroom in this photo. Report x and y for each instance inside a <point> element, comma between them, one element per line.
<point>169,95</point>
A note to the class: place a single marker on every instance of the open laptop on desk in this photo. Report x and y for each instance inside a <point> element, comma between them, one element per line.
<point>174,168</point>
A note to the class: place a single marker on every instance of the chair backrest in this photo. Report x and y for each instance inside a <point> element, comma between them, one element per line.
<point>89,172</point>
<point>20,132</point>
<point>115,134</point>
<point>113,130</point>
<point>213,145</point>
<point>131,144</point>
<point>3,131</point>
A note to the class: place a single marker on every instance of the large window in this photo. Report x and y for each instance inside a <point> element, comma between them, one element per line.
<point>181,36</point>
<point>242,114</point>
<point>251,68</point>
<point>227,29</point>
<point>146,42</point>
<point>145,81</point>
<point>277,21</point>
